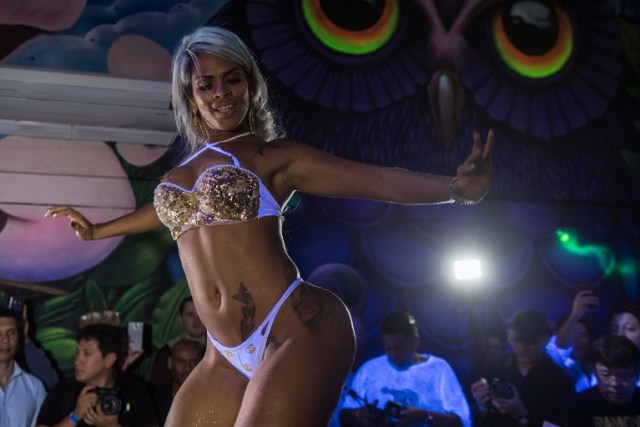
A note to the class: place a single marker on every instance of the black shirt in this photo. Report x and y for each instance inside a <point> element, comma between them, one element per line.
<point>590,409</point>
<point>544,391</point>
<point>138,409</point>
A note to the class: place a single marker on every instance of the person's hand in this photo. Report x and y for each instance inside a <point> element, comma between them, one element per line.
<point>583,302</point>
<point>82,226</point>
<point>95,417</point>
<point>510,406</point>
<point>365,417</point>
<point>473,178</point>
<point>480,393</point>
<point>86,400</point>
<point>412,416</point>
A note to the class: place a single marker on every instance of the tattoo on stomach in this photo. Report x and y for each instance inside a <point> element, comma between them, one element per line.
<point>248,310</point>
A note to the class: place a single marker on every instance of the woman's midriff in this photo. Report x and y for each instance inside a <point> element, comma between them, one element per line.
<point>236,274</point>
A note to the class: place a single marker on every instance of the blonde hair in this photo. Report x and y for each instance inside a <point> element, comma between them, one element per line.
<point>224,43</point>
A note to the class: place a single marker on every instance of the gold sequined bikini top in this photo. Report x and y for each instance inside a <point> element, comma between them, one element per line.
<point>222,194</point>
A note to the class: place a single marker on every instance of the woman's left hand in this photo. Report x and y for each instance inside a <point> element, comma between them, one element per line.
<point>473,178</point>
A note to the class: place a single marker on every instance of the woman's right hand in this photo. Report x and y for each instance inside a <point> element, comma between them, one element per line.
<point>82,226</point>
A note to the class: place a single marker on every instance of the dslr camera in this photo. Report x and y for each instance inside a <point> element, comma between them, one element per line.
<point>387,417</point>
<point>500,389</point>
<point>109,400</point>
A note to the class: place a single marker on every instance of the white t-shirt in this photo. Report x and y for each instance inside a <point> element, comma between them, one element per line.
<point>431,385</point>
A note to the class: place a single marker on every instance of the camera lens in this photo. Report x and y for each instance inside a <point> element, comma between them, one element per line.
<point>110,405</point>
<point>501,389</point>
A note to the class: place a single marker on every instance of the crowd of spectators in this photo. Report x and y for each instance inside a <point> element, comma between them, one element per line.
<point>524,375</point>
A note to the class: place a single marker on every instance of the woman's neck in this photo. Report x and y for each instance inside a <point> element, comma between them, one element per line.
<point>215,135</point>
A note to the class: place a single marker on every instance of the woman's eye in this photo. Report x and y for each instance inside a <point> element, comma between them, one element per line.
<point>205,86</point>
<point>234,80</point>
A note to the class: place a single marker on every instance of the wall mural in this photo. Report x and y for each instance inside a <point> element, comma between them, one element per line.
<point>395,83</point>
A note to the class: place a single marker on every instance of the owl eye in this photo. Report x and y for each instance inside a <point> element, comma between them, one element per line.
<point>357,27</point>
<point>356,55</point>
<point>535,39</point>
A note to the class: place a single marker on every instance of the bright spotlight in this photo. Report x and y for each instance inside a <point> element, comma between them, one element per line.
<point>467,269</point>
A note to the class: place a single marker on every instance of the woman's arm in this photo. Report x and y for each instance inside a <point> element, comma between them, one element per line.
<point>138,221</point>
<point>312,171</point>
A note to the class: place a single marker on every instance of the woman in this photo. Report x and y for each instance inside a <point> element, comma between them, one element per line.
<point>281,347</point>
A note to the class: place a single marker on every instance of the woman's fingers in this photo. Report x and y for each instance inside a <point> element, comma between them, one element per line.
<point>57,211</point>
<point>480,158</point>
<point>488,145</point>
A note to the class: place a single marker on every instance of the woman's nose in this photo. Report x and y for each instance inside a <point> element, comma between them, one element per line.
<point>220,90</point>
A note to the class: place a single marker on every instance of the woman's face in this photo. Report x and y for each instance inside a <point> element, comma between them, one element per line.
<point>221,93</point>
<point>628,325</point>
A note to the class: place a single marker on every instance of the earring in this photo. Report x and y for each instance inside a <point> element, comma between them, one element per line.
<point>251,122</point>
<point>198,126</point>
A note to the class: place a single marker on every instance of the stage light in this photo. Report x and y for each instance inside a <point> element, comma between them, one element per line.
<point>468,269</point>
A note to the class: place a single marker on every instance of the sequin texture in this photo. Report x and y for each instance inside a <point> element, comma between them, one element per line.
<point>222,194</point>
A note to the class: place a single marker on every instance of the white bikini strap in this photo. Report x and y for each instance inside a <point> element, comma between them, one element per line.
<point>214,146</point>
<point>226,153</point>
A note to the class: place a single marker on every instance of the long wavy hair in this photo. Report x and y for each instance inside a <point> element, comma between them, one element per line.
<point>224,43</point>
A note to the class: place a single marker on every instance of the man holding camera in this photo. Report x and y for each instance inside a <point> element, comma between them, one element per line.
<point>404,387</point>
<point>526,388</point>
<point>98,394</point>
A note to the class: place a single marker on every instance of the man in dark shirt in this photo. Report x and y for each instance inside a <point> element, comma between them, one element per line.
<point>615,401</point>
<point>525,388</point>
<point>98,394</point>
<point>185,355</point>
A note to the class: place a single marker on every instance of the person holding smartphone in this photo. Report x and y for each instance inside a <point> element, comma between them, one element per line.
<point>570,346</point>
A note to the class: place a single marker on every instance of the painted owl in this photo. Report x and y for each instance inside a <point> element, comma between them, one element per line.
<point>404,83</point>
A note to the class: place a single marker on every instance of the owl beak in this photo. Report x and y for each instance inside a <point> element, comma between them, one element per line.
<point>446,96</point>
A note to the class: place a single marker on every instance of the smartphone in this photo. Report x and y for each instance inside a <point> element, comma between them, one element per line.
<point>16,306</point>
<point>136,335</point>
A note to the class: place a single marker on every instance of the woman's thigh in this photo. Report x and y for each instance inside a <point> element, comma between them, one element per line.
<point>308,357</point>
<point>211,395</point>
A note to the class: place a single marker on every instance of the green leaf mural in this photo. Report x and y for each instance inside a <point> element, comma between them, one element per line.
<point>95,299</point>
<point>135,259</point>
<point>62,310</point>
<point>61,343</point>
<point>137,303</point>
<point>165,317</point>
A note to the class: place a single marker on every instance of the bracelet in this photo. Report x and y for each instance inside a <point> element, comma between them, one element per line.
<point>455,196</point>
<point>74,419</point>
